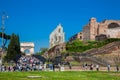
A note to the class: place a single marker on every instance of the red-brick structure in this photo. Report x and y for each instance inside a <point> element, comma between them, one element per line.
<point>110,28</point>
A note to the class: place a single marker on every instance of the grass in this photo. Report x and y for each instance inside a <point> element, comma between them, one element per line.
<point>66,75</point>
<point>74,63</point>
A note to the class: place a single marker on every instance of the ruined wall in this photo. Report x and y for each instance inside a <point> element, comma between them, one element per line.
<point>110,28</point>
<point>57,36</point>
<point>86,33</point>
<point>93,28</point>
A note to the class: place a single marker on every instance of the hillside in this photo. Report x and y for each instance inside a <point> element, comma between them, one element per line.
<point>97,52</point>
<point>108,54</point>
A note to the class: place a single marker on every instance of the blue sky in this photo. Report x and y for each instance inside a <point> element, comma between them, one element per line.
<point>34,20</point>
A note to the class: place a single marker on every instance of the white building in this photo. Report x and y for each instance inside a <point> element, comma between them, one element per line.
<point>57,36</point>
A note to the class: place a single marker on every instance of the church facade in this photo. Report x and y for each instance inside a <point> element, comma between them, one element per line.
<point>57,36</point>
<point>94,29</point>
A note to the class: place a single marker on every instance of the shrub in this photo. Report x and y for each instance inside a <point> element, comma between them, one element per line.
<point>80,46</point>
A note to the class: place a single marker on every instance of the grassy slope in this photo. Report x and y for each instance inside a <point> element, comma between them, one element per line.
<point>67,75</point>
<point>81,46</point>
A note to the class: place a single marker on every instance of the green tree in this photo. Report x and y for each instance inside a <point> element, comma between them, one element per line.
<point>5,37</point>
<point>13,48</point>
<point>42,51</point>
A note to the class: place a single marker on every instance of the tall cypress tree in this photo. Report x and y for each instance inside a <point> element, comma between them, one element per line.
<point>13,48</point>
<point>18,45</point>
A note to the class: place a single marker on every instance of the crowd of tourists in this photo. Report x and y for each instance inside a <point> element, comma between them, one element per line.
<point>25,63</point>
<point>30,63</point>
<point>97,67</point>
<point>90,67</point>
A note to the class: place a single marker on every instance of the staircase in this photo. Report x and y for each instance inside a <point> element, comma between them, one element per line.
<point>103,50</point>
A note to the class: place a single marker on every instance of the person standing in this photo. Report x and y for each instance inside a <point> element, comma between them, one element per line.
<point>108,66</point>
<point>97,67</point>
<point>70,66</point>
<point>53,67</point>
<point>59,66</point>
<point>117,68</point>
<point>45,67</point>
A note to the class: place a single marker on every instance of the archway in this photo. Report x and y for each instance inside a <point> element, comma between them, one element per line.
<point>113,30</point>
<point>27,48</point>
<point>27,51</point>
<point>113,25</point>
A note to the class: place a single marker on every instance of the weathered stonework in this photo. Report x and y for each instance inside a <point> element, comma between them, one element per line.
<point>76,36</point>
<point>27,46</point>
<point>110,28</point>
<point>55,51</point>
<point>57,36</point>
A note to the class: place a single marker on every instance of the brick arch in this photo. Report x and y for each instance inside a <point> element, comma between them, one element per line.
<point>113,25</point>
<point>113,30</point>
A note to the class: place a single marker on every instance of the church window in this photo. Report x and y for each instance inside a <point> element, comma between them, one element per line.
<point>56,38</point>
<point>59,30</point>
<point>59,38</point>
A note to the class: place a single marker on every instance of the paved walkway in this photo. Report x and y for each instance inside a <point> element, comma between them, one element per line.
<point>80,68</point>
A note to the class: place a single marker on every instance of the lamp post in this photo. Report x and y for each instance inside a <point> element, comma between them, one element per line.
<point>4,16</point>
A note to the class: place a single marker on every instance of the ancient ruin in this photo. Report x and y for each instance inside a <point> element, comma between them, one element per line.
<point>108,28</point>
<point>27,48</point>
<point>57,36</point>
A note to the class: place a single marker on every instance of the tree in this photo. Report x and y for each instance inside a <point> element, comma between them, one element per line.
<point>42,51</point>
<point>13,48</point>
<point>5,37</point>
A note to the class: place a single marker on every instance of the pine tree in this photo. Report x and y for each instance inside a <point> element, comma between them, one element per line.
<point>13,48</point>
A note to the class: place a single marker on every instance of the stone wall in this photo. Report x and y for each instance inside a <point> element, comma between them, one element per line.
<point>110,28</point>
<point>27,46</point>
<point>86,33</point>
<point>76,36</point>
<point>57,36</point>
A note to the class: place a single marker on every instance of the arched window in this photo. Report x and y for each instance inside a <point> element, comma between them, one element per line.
<point>55,38</point>
<point>59,30</point>
<point>80,37</point>
<point>59,38</point>
<point>113,25</point>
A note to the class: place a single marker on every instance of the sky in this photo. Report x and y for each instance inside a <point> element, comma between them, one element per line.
<point>34,20</point>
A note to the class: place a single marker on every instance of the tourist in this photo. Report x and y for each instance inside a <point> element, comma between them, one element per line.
<point>44,66</point>
<point>108,66</point>
<point>62,68</point>
<point>86,65</point>
<point>117,68</point>
<point>70,66</point>
<point>59,66</point>
<point>97,67</point>
<point>40,67</point>
<point>53,67</point>
<point>91,67</point>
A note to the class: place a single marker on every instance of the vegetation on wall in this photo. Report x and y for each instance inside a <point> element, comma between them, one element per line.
<point>81,46</point>
<point>42,51</point>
